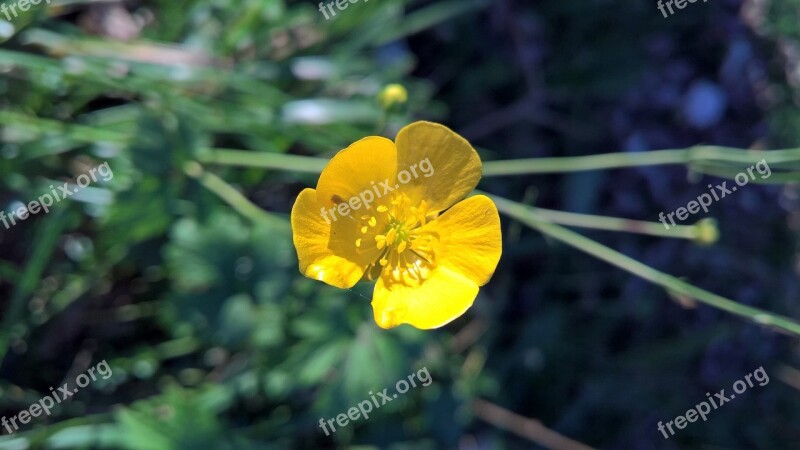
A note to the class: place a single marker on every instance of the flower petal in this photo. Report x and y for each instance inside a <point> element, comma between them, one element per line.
<point>360,168</point>
<point>470,238</point>
<point>455,165</point>
<point>326,251</point>
<point>440,299</point>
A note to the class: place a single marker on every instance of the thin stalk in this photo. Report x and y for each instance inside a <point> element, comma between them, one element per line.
<point>714,160</point>
<point>718,161</point>
<point>673,284</point>
<point>615,224</point>
<point>227,157</point>
<point>314,165</point>
<point>231,196</point>
<point>583,163</point>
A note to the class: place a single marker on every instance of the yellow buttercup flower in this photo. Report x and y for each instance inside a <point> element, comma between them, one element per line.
<point>393,212</point>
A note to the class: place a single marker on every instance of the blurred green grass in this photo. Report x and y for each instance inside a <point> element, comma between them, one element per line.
<point>215,339</point>
<point>181,291</point>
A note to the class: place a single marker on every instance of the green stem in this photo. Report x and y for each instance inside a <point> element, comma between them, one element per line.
<point>615,224</point>
<point>382,120</point>
<point>714,160</point>
<point>582,163</point>
<point>314,165</point>
<point>725,162</point>
<point>673,284</point>
<point>718,161</point>
<point>227,157</point>
<point>231,196</point>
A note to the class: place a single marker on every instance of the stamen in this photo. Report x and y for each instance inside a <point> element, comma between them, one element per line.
<point>406,255</point>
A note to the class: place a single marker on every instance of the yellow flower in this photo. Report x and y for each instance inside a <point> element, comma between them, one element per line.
<point>428,249</point>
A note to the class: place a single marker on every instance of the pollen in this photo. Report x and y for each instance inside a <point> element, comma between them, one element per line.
<point>391,235</point>
<point>404,253</point>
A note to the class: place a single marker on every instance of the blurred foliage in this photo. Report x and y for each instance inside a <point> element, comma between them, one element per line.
<point>166,281</point>
<point>780,25</point>
<point>215,339</point>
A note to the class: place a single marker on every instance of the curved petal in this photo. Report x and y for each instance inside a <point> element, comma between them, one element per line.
<point>440,299</point>
<point>446,166</point>
<point>325,248</point>
<point>470,238</point>
<point>360,168</point>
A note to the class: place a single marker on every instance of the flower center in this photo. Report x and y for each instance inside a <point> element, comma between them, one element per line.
<point>406,252</point>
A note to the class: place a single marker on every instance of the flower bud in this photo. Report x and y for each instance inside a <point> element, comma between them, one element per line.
<point>706,232</point>
<point>392,94</point>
